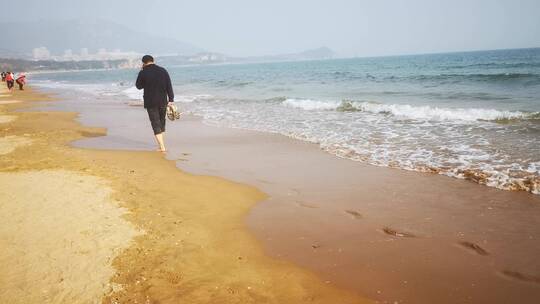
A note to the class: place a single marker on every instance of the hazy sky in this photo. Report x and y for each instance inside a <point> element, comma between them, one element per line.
<point>349,27</point>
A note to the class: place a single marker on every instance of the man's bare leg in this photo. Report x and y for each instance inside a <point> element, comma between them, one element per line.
<point>159,139</point>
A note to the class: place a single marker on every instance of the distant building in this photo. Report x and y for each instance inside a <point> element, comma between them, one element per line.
<point>68,55</point>
<point>207,58</point>
<point>41,53</point>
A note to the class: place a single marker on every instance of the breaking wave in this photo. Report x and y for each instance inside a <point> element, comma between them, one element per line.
<point>412,112</point>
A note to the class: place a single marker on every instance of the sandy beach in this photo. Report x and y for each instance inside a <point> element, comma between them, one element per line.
<point>277,152</point>
<point>131,225</point>
<point>104,226</point>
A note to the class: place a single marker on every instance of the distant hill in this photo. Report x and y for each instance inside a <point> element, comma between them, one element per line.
<point>313,54</point>
<point>320,53</point>
<point>58,36</point>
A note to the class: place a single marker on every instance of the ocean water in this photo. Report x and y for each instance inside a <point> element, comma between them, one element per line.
<point>473,115</point>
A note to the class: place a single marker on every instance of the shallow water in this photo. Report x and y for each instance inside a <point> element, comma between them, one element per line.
<point>468,115</point>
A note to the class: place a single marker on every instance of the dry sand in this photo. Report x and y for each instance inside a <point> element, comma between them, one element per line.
<point>65,227</point>
<point>6,118</point>
<point>60,232</point>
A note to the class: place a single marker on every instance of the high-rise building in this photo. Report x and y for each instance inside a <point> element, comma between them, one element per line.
<point>68,54</point>
<point>41,53</point>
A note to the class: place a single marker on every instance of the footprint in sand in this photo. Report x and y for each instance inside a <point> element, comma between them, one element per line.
<point>473,247</point>
<point>171,277</point>
<point>307,205</point>
<point>293,191</point>
<point>355,214</point>
<point>91,133</point>
<point>397,233</point>
<point>183,158</point>
<point>521,276</point>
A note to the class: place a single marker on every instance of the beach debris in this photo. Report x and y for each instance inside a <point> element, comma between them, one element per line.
<point>315,246</point>
<point>355,214</point>
<point>474,247</point>
<point>394,232</point>
<point>521,276</point>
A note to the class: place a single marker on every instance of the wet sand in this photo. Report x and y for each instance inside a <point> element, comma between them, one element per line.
<point>90,226</point>
<point>393,235</point>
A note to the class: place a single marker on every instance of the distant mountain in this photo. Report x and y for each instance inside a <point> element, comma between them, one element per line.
<point>57,36</point>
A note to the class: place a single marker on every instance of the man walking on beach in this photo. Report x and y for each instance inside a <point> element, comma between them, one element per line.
<point>157,87</point>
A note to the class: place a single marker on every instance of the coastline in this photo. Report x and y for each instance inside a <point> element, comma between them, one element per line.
<point>381,232</point>
<point>184,236</point>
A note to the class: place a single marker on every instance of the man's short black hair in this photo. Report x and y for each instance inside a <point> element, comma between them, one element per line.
<point>147,59</point>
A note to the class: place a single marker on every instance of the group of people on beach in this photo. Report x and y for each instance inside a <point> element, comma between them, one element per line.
<point>10,80</point>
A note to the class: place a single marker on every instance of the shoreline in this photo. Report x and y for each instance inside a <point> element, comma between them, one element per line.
<point>487,164</point>
<point>380,232</point>
<point>178,256</point>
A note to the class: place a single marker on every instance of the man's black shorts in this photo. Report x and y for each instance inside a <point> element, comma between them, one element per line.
<point>157,118</point>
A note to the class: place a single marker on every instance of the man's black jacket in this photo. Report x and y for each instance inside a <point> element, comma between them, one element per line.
<point>156,84</point>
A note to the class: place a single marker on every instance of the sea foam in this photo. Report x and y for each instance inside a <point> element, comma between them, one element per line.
<point>133,93</point>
